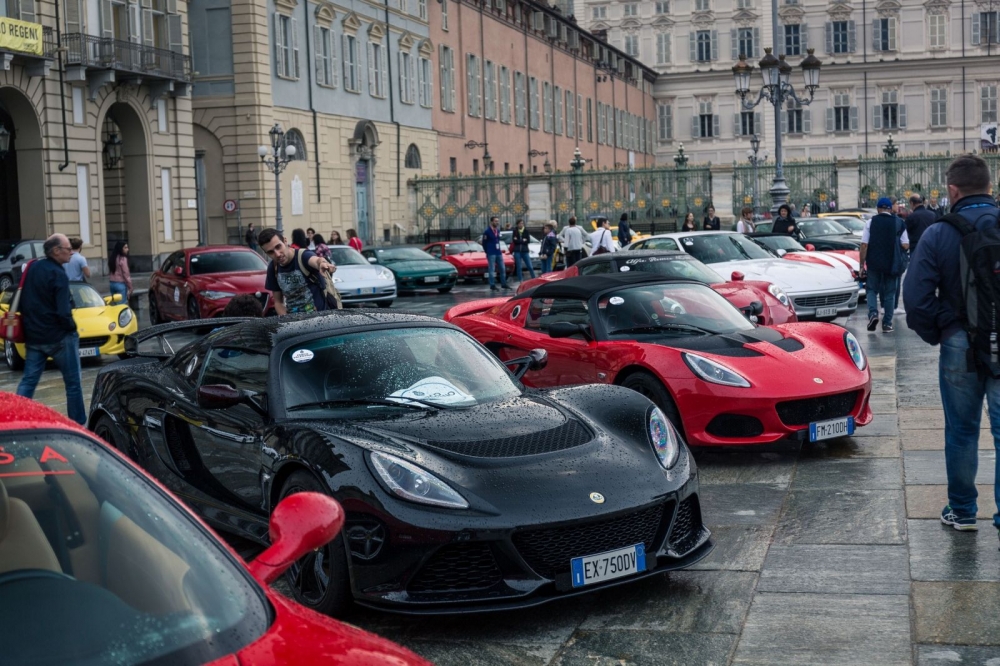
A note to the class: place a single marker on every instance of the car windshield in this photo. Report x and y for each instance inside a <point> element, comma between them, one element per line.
<point>226,262</point>
<point>781,243</point>
<point>5,248</point>
<point>390,370</point>
<point>851,223</point>
<point>389,255</point>
<point>347,256</point>
<point>672,309</point>
<point>459,248</point>
<point>682,267</point>
<point>821,227</point>
<point>716,248</point>
<point>85,296</point>
<point>107,569</point>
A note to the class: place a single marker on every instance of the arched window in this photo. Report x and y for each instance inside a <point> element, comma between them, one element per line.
<point>413,157</point>
<point>293,137</point>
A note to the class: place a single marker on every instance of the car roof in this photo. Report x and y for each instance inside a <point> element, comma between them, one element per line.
<point>201,249</point>
<point>584,287</point>
<point>629,254</point>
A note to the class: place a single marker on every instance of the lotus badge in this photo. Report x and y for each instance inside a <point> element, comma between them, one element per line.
<point>597,498</point>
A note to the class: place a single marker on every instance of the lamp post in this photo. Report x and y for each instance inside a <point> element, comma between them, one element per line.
<point>777,90</point>
<point>4,142</point>
<point>281,155</point>
<point>681,160</point>
<point>890,150</point>
<point>756,159</point>
<point>577,163</point>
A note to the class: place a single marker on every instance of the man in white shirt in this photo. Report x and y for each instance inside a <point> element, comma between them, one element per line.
<point>572,239</point>
<point>601,241</point>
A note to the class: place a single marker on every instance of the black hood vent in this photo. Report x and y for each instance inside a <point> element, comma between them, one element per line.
<point>566,436</point>
<point>789,345</point>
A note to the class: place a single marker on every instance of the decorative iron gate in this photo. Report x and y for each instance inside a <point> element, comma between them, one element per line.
<point>458,203</point>
<point>810,182</point>
<point>899,177</point>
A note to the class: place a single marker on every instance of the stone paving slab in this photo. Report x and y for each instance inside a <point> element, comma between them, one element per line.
<point>915,418</point>
<point>737,548</point>
<point>957,613</point>
<point>646,648</point>
<point>741,504</point>
<point>856,474</point>
<point>927,502</point>
<point>475,653</point>
<point>743,467</point>
<point>853,447</point>
<point>928,467</point>
<point>941,553</point>
<point>836,570</point>
<point>855,517</point>
<point>957,655</point>
<point>933,440</point>
<point>882,424</point>
<point>801,629</point>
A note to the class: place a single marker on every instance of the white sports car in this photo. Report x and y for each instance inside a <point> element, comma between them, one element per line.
<point>358,281</point>
<point>819,291</point>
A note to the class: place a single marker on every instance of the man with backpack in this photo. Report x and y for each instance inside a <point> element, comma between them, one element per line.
<point>883,243</point>
<point>952,294</point>
<point>299,280</point>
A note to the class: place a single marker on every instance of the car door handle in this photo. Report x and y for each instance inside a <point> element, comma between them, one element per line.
<point>241,439</point>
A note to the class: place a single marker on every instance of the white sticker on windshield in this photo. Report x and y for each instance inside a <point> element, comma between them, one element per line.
<point>177,294</point>
<point>302,355</point>
<point>194,260</point>
<point>688,241</point>
<point>616,300</point>
<point>625,269</point>
<point>433,389</point>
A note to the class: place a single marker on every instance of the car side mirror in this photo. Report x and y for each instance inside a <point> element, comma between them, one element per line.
<point>17,259</point>
<point>536,359</point>
<point>219,396</point>
<point>300,524</point>
<point>113,299</point>
<point>737,276</point>
<point>567,329</point>
<point>781,252</point>
<point>178,270</point>
<point>810,247</point>
<point>372,260</point>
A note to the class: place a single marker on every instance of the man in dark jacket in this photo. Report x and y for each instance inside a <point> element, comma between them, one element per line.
<point>917,222</point>
<point>882,245</point>
<point>624,231</point>
<point>711,221</point>
<point>494,254</point>
<point>933,299</point>
<point>520,247</point>
<point>49,329</point>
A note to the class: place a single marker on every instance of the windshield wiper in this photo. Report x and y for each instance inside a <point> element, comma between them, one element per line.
<point>409,403</point>
<point>656,328</point>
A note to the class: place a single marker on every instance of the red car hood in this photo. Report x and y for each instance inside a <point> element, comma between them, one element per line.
<point>740,294</point>
<point>239,283</point>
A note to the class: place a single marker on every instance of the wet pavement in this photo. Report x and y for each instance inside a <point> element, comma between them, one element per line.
<point>828,553</point>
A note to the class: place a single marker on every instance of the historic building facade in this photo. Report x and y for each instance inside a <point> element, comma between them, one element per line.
<point>521,86</point>
<point>925,72</point>
<point>96,111</point>
<point>349,82</point>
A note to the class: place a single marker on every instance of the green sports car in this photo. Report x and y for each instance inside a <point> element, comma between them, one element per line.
<point>414,269</point>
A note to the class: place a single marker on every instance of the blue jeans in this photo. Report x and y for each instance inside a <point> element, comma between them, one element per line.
<point>547,265</point>
<point>67,359</point>
<point>962,394</point>
<point>119,288</point>
<point>523,258</point>
<point>495,262</point>
<point>882,287</point>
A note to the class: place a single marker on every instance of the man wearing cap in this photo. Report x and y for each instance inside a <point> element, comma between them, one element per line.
<point>882,245</point>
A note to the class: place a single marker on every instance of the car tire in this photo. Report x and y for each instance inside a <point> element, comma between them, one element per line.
<point>652,388</point>
<point>154,311</point>
<point>14,361</point>
<point>6,282</point>
<point>108,430</point>
<point>305,577</point>
<point>193,311</point>
<point>384,304</point>
<point>444,290</point>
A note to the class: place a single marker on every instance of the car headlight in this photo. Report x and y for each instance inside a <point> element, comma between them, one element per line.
<point>125,317</point>
<point>854,350</point>
<point>775,291</point>
<point>666,444</point>
<point>217,295</point>
<point>384,274</point>
<point>714,372</point>
<point>412,483</point>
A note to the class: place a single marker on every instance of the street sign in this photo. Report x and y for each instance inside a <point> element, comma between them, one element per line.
<point>231,206</point>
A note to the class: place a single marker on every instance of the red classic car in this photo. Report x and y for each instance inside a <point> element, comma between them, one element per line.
<point>775,308</point>
<point>468,257</point>
<point>101,564</point>
<point>198,282</point>
<point>719,378</point>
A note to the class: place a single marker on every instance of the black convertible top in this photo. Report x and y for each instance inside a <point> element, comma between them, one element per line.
<point>584,287</point>
<point>632,254</point>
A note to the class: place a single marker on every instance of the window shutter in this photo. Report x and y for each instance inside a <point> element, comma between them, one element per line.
<point>695,127</point>
<point>107,20</point>
<point>806,121</point>
<point>134,21</point>
<point>402,79</point>
<point>852,36</point>
<point>902,116</point>
<point>171,6</point>
<point>892,34</point>
<point>73,23</point>
<point>737,128</point>
<point>716,125</point>
<point>715,45</point>
<point>319,56</point>
<point>295,48</point>
<point>147,28</point>
<point>332,41</point>
<point>976,28</point>
<point>829,37</point>
<point>830,123</point>
<point>876,35</point>
<point>756,43</point>
<point>758,123</point>
<point>803,38</point>
<point>877,117</point>
<point>27,10</point>
<point>371,69</point>
<point>175,34</point>
<point>784,122</point>
<point>734,39</point>
<point>413,79</point>
<point>345,47</point>
<point>279,46</point>
<point>692,41</point>
<point>385,71</point>
<point>781,40</point>
<point>854,119</point>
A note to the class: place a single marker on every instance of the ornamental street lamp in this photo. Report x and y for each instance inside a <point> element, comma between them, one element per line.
<point>681,160</point>
<point>756,158</point>
<point>4,142</point>
<point>777,89</point>
<point>890,150</point>
<point>487,158</point>
<point>541,153</point>
<point>577,163</point>
<point>281,155</point>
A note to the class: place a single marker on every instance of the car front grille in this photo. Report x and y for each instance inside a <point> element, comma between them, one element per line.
<point>566,436</point>
<point>549,551</point>
<point>734,425</point>
<point>94,342</point>
<point>686,531</point>
<point>823,301</point>
<point>804,412</point>
<point>457,567</point>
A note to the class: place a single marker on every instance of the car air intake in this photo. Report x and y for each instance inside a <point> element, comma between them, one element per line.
<point>735,425</point>
<point>566,436</point>
<point>457,567</point>
<point>804,412</point>
<point>686,531</point>
<point>789,344</point>
<point>549,551</point>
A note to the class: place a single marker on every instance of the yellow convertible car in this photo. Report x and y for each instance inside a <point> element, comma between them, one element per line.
<point>102,324</point>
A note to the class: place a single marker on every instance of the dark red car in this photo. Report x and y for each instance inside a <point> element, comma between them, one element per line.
<point>468,257</point>
<point>101,564</point>
<point>198,282</point>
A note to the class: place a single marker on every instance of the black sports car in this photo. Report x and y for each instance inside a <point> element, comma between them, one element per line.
<point>463,489</point>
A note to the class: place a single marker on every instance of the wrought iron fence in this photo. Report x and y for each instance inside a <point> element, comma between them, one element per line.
<point>446,206</point>
<point>899,177</point>
<point>101,52</point>
<point>812,182</point>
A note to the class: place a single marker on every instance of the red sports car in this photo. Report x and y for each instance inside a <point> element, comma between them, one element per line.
<point>468,257</point>
<point>101,564</point>
<point>775,308</point>
<point>198,282</point>
<point>721,379</point>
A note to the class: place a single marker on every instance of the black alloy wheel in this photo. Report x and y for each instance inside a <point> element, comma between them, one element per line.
<point>6,282</point>
<point>650,386</point>
<point>14,361</point>
<point>193,311</point>
<point>154,311</point>
<point>107,430</point>
<point>319,581</point>
<point>444,290</point>
<point>384,304</point>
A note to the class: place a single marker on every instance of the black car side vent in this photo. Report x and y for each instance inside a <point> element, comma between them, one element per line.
<point>789,344</point>
<point>566,436</point>
<point>176,446</point>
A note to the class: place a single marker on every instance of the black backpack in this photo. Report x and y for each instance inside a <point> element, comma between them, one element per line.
<point>980,302</point>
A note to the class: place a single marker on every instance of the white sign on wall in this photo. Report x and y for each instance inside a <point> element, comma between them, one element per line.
<point>298,206</point>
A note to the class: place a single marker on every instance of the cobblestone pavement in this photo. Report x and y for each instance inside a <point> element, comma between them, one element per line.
<point>828,553</point>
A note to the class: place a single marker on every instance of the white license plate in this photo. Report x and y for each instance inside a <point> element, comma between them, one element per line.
<point>432,278</point>
<point>89,352</point>
<point>608,566</point>
<point>362,292</point>
<point>826,312</point>
<point>829,429</point>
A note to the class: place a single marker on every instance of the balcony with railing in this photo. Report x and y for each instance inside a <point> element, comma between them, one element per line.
<point>36,64</point>
<point>129,58</point>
